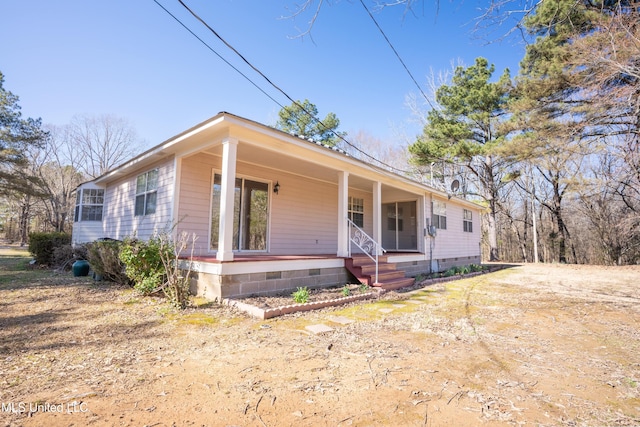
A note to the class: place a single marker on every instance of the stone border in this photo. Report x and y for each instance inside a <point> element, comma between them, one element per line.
<point>268,313</point>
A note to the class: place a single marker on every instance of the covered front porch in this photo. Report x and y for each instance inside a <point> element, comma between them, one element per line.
<point>274,211</point>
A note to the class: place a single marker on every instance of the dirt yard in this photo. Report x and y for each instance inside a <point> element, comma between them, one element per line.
<point>543,345</point>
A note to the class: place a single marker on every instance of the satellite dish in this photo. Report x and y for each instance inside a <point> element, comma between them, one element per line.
<point>455,185</point>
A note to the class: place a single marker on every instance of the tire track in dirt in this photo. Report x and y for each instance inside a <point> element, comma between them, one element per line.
<point>483,343</point>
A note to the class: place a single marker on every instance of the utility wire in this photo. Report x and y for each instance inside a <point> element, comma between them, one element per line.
<point>217,54</point>
<point>215,33</point>
<point>396,53</point>
<point>315,119</point>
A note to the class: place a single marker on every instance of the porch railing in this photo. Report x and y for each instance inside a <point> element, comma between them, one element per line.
<point>365,243</point>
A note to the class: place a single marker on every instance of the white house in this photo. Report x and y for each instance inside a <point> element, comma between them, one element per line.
<point>274,211</point>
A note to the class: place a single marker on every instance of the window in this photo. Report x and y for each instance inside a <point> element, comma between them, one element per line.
<point>467,221</point>
<point>89,203</point>
<point>439,214</point>
<point>356,211</point>
<point>146,193</point>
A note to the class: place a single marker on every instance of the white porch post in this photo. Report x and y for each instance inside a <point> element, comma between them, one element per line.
<point>377,214</point>
<point>175,207</point>
<point>343,226</point>
<point>225,236</point>
<point>422,218</point>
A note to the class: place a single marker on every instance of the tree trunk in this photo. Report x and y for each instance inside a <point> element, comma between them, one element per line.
<point>557,214</point>
<point>23,220</point>
<point>62,223</point>
<point>521,240</point>
<point>562,238</point>
<point>492,197</point>
<point>492,233</point>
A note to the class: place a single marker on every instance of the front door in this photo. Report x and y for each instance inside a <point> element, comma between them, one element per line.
<point>399,227</point>
<point>250,214</point>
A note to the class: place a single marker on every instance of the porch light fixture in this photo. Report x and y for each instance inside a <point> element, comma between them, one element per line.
<point>276,188</point>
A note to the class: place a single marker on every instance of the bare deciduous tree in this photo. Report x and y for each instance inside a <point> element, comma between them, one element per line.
<point>103,142</point>
<point>391,156</point>
<point>57,167</point>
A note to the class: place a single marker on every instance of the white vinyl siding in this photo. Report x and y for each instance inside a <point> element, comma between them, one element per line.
<point>454,242</point>
<point>195,198</point>
<point>303,216</point>
<point>89,213</point>
<point>87,231</point>
<point>120,196</point>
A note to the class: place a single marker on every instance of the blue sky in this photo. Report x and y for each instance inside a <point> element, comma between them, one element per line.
<point>131,59</point>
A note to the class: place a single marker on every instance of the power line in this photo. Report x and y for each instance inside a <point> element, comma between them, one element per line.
<point>278,88</point>
<point>293,101</point>
<point>217,54</point>
<point>396,53</point>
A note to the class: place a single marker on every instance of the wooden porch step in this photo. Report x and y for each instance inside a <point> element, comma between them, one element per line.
<point>395,284</point>
<point>385,276</point>
<point>383,267</point>
<point>389,277</point>
<point>365,260</point>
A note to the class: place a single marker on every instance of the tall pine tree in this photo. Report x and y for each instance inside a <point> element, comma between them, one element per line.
<point>300,118</point>
<point>577,93</point>
<point>16,136</point>
<point>465,130</point>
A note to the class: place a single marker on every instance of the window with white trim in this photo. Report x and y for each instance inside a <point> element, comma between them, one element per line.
<point>467,221</point>
<point>439,214</point>
<point>89,203</point>
<point>146,193</point>
<point>356,211</point>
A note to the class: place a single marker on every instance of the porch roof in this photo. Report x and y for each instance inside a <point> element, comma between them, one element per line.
<point>267,146</point>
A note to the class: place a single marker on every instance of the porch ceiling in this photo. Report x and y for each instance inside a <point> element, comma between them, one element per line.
<point>285,161</point>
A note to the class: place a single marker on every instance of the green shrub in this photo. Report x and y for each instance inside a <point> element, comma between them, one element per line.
<point>42,245</point>
<point>301,295</point>
<point>346,291</point>
<point>143,264</point>
<point>476,267</point>
<point>450,272</point>
<point>465,269</point>
<point>154,266</point>
<point>104,257</point>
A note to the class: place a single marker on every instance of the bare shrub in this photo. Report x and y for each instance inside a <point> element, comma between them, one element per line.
<point>104,257</point>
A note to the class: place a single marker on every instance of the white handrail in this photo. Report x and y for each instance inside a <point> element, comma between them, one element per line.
<point>365,242</point>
